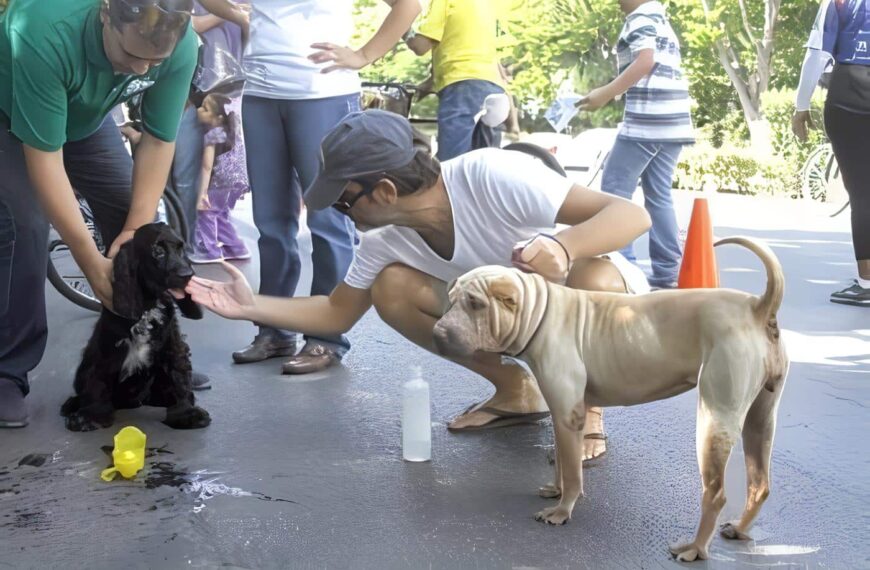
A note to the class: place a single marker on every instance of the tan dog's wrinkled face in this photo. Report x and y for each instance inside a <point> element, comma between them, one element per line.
<point>484,310</point>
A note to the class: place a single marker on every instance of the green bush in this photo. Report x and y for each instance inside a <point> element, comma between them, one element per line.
<point>722,160</point>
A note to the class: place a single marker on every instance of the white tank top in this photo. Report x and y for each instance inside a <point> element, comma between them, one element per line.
<point>276,58</point>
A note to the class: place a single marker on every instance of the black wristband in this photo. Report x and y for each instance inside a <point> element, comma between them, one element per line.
<point>562,245</point>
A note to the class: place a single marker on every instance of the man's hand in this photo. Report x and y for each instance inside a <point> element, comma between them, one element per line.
<point>99,275</point>
<point>593,101</point>
<point>233,300</point>
<point>123,237</point>
<point>544,256</point>
<point>801,121</point>
<point>342,57</point>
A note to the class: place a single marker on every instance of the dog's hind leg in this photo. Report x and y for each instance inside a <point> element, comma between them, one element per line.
<point>758,431</point>
<point>722,387</point>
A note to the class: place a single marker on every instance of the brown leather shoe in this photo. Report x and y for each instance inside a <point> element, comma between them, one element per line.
<point>311,359</point>
<point>265,346</point>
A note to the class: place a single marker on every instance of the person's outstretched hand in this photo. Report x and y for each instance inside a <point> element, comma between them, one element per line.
<point>801,121</point>
<point>341,57</point>
<point>233,300</point>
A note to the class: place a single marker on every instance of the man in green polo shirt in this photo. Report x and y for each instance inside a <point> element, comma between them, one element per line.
<point>64,64</point>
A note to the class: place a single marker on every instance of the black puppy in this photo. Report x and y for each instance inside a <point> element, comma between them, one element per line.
<point>137,355</point>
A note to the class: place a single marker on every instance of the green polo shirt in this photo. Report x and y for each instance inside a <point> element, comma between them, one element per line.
<point>57,85</point>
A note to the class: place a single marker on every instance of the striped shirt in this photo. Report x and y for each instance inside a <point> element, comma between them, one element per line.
<point>657,108</point>
<point>842,29</point>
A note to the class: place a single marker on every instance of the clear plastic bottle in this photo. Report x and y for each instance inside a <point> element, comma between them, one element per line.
<point>416,421</point>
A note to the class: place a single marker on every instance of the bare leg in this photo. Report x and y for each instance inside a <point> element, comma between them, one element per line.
<point>595,274</point>
<point>411,302</point>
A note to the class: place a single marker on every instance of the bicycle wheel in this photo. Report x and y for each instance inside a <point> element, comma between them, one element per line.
<point>63,271</point>
<point>540,153</point>
<point>816,172</point>
<point>173,214</point>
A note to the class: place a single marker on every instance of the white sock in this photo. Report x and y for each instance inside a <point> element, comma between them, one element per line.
<point>865,283</point>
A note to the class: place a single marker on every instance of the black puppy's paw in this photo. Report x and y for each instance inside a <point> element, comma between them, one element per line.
<point>70,407</point>
<point>188,418</point>
<point>80,422</point>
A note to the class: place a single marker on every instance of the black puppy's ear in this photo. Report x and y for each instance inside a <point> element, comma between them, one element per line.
<point>188,308</point>
<point>127,295</point>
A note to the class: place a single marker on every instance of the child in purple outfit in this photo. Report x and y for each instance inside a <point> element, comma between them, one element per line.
<point>223,181</point>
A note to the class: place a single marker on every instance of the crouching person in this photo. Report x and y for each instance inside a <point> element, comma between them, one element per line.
<point>425,223</point>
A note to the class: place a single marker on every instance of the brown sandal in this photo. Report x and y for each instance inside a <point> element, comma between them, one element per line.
<point>599,436</point>
<point>502,418</point>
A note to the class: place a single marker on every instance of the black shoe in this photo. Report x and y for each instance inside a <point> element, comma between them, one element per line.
<point>265,346</point>
<point>852,295</point>
<point>13,409</point>
<point>200,381</point>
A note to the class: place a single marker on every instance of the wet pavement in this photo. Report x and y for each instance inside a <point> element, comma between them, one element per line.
<point>307,472</point>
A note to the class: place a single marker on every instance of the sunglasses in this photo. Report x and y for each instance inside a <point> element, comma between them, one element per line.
<point>344,206</point>
<point>176,17</point>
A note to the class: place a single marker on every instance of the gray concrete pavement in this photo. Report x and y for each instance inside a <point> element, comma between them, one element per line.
<point>307,472</point>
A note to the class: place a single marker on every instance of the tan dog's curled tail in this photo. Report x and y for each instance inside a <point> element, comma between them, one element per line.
<point>769,302</point>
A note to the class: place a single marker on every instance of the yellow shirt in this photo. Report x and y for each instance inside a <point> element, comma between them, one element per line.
<point>466,32</point>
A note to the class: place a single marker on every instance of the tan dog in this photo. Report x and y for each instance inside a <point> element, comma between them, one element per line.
<point>607,349</point>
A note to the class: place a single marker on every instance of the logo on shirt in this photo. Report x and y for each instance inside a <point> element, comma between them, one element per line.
<point>137,86</point>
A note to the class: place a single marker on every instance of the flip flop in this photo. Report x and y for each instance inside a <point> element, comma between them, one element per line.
<point>598,436</point>
<point>502,419</point>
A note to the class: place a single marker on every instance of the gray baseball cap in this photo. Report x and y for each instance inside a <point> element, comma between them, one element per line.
<point>363,143</point>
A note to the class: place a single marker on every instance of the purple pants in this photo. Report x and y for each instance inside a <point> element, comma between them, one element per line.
<point>215,234</point>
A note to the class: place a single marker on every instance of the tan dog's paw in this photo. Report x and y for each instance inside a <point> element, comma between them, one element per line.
<point>554,515</point>
<point>549,492</point>
<point>688,552</point>
<point>729,531</point>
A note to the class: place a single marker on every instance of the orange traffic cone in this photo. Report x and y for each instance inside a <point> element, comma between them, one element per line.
<point>699,262</point>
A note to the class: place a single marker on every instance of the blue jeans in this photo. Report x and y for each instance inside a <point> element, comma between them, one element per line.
<point>186,168</point>
<point>653,164</point>
<point>458,103</point>
<point>282,137</point>
<point>102,172</point>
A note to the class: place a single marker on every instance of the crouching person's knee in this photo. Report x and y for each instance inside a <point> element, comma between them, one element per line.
<point>390,289</point>
<point>596,274</point>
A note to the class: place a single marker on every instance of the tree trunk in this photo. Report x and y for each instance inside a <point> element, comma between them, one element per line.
<point>750,86</point>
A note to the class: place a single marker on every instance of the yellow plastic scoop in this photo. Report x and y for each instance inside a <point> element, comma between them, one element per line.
<point>128,455</point>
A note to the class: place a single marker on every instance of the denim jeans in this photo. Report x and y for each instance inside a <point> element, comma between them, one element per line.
<point>101,171</point>
<point>651,163</point>
<point>282,138</point>
<point>458,103</point>
<point>186,169</point>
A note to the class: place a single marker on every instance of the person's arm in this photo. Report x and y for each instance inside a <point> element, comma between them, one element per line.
<point>317,316</point>
<point>420,44</point>
<point>600,223</point>
<point>397,22</point>
<point>820,47</point>
<point>202,24</point>
<point>205,175</point>
<point>430,30</point>
<point>224,9</point>
<point>814,65</point>
<point>642,66</point>
<point>150,172</point>
<point>51,183</point>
